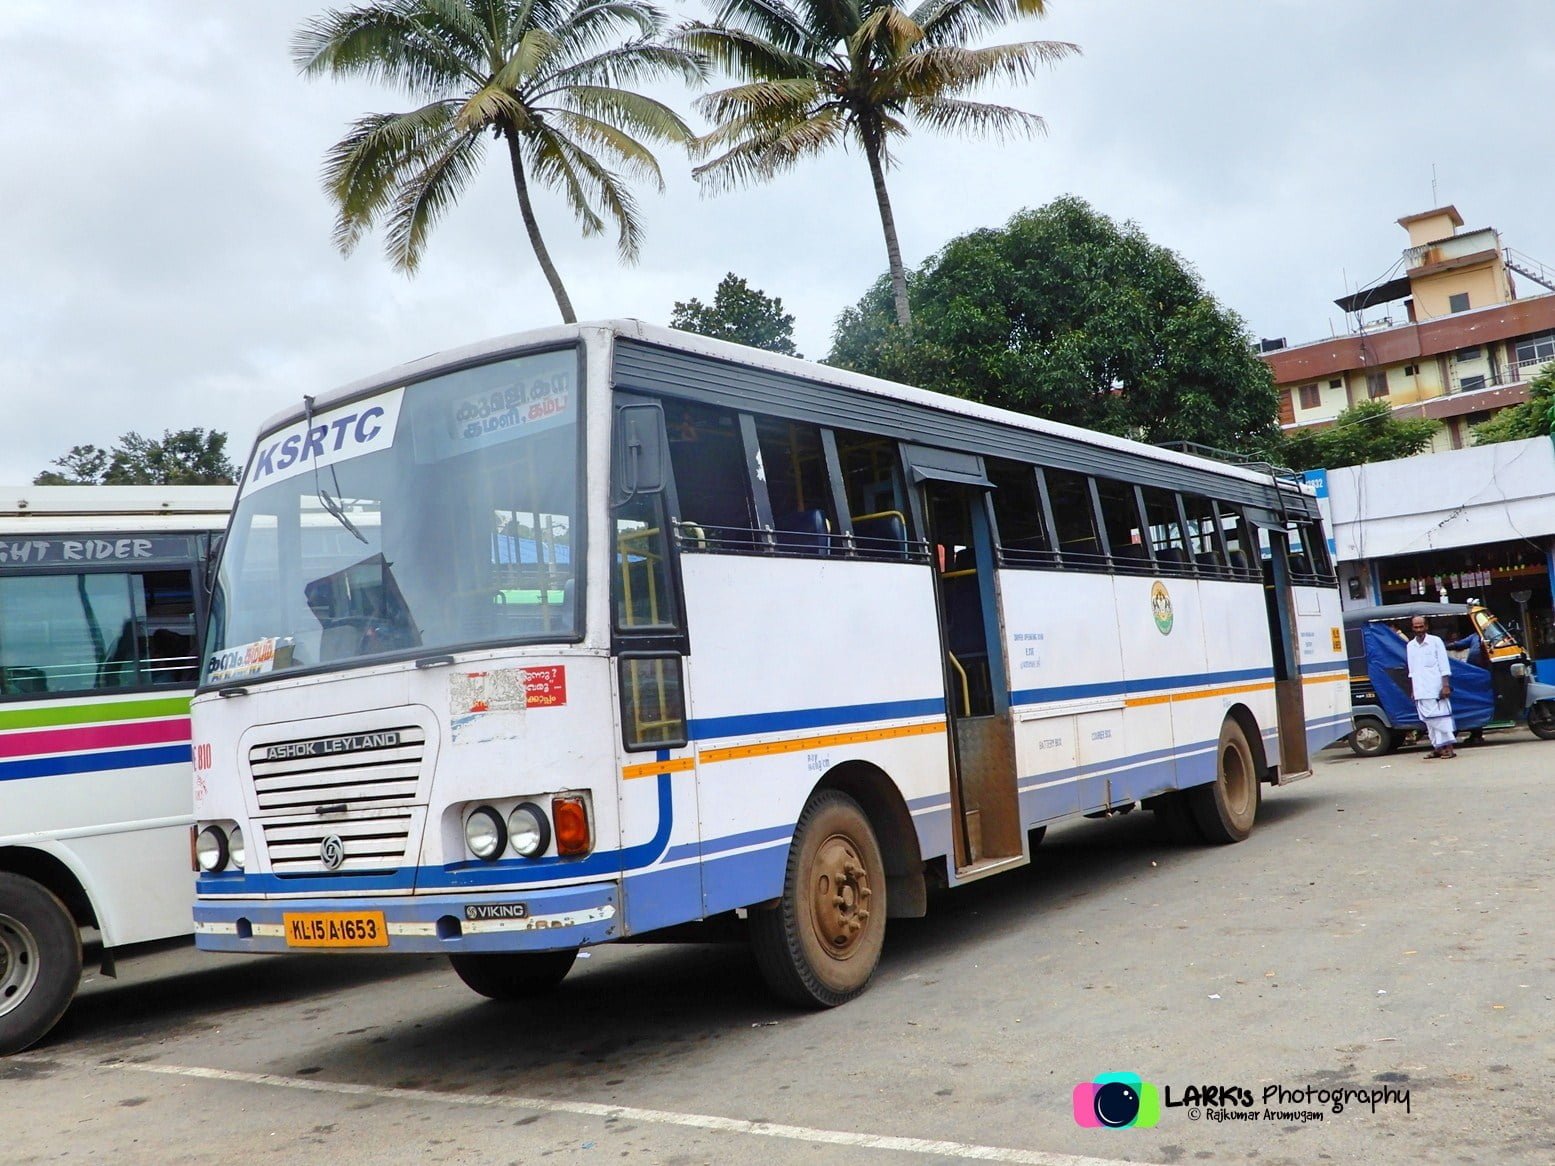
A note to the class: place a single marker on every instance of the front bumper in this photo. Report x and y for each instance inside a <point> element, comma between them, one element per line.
<point>552,919</point>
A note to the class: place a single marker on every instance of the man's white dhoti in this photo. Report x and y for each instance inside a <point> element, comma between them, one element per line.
<point>1436,715</point>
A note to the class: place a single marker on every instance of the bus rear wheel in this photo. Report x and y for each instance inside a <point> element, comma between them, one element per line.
<point>819,946</point>
<point>40,961</point>
<point>1226,807</point>
<point>514,975</point>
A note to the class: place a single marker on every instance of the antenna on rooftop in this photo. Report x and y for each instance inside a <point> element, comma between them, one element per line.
<point>1433,183</point>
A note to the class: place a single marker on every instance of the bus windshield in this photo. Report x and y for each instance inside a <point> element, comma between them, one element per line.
<point>437,515</point>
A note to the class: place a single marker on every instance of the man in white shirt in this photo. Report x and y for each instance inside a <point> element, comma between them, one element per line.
<point>1430,678</point>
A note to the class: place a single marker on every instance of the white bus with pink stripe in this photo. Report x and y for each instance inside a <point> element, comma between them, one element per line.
<point>102,598</point>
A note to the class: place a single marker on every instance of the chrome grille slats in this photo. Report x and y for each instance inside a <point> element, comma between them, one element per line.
<point>355,770</point>
<point>372,843</point>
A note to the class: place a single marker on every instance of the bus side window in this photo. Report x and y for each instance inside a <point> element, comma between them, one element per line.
<point>1125,538</point>
<point>164,610</point>
<point>1241,547</point>
<point>641,583</point>
<point>712,485</point>
<point>1017,509</point>
<point>1166,534</point>
<point>804,517</point>
<point>66,633</point>
<point>1069,499</point>
<point>1203,534</point>
<point>877,499</point>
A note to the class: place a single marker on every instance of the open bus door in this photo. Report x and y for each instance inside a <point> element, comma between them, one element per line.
<point>954,493</point>
<point>1289,699</point>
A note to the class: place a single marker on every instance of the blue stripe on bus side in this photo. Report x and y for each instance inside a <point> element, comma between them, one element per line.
<point>751,724</point>
<point>69,763</point>
<point>1135,687</point>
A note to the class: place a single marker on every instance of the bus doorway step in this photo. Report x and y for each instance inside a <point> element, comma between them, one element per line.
<point>988,866</point>
<point>1287,778</point>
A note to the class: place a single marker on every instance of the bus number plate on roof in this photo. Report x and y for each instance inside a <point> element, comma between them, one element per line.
<point>335,929</point>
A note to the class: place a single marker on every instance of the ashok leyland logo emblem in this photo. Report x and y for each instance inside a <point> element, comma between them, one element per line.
<point>332,852</point>
<point>1161,607</point>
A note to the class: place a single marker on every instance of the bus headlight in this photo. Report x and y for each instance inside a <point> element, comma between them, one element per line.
<point>529,831</point>
<point>484,834</point>
<point>235,847</point>
<point>210,849</point>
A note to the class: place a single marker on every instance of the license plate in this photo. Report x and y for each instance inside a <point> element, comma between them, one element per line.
<point>335,929</point>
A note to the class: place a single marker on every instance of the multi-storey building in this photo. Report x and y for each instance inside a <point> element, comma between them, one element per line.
<point>1449,339</point>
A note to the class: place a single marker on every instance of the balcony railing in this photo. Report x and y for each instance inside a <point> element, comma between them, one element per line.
<point>1516,373</point>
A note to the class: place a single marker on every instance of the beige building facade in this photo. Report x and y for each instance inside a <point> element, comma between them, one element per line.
<point>1450,339</point>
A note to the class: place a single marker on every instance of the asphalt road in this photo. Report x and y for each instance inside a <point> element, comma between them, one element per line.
<point>1386,926</point>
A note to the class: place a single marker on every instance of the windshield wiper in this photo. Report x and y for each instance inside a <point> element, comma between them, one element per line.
<point>330,503</point>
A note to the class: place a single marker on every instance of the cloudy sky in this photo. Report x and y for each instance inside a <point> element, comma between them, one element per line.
<point>167,260</point>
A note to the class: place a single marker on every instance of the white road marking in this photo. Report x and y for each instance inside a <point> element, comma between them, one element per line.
<point>728,1125</point>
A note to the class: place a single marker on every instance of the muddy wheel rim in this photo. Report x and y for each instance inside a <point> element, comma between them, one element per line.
<point>18,963</point>
<point>1235,779</point>
<point>839,896</point>
<point>1368,737</point>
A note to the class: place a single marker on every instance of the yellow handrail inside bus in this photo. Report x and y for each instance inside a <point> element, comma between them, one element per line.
<point>966,687</point>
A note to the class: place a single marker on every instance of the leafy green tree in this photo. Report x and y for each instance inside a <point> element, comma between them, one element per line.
<point>814,76</point>
<point>1365,432</point>
<point>185,457</point>
<point>741,313</point>
<point>1530,418</point>
<point>1065,314</point>
<point>550,79</point>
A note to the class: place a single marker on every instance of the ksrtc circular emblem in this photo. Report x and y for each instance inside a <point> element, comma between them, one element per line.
<point>1161,607</point>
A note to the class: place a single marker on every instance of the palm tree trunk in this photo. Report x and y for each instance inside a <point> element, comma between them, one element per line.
<point>533,227</point>
<point>893,249</point>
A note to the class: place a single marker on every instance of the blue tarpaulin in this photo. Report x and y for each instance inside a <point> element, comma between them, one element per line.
<point>1473,703</point>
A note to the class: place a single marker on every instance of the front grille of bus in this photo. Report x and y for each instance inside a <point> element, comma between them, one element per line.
<point>373,844</point>
<point>378,775</point>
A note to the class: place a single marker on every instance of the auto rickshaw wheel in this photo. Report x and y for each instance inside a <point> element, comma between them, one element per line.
<point>1541,719</point>
<point>1371,738</point>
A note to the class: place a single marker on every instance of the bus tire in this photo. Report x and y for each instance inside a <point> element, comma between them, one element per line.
<point>1226,807</point>
<point>40,961</point>
<point>820,944</point>
<point>1176,818</point>
<point>518,975</point>
<point>1541,719</point>
<point>1369,737</point>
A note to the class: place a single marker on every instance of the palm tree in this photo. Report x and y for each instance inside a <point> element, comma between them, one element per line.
<point>551,78</point>
<point>817,73</point>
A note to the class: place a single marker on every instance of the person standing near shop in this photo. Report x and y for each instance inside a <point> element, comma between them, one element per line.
<point>1430,680</point>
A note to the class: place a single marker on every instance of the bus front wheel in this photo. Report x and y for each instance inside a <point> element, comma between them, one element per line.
<point>819,945</point>
<point>40,961</point>
<point>1226,807</point>
<point>513,975</point>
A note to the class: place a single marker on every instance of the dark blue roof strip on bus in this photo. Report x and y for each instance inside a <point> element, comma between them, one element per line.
<point>655,369</point>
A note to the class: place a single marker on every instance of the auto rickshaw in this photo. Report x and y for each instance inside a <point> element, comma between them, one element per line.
<point>1495,692</point>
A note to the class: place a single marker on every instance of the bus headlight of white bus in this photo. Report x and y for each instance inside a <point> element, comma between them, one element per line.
<point>529,830</point>
<point>214,846</point>
<point>485,834</point>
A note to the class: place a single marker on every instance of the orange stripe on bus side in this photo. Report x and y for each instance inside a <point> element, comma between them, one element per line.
<point>1198,693</point>
<point>654,768</point>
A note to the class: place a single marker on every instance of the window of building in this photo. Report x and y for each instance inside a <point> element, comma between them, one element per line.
<point>1468,384</point>
<point>1458,302</point>
<point>1411,370</point>
<point>1336,383</point>
<point>1536,349</point>
<point>1310,397</point>
<point>1377,383</point>
<point>1464,355</point>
